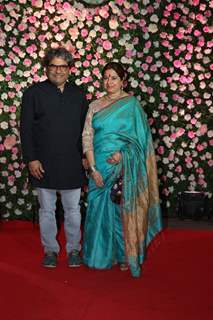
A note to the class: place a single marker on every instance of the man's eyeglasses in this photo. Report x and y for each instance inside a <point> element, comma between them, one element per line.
<point>61,67</point>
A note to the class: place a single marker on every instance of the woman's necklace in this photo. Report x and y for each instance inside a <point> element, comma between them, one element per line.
<point>115,96</point>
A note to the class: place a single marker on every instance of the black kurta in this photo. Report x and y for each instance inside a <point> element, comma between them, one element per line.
<point>51,129</point>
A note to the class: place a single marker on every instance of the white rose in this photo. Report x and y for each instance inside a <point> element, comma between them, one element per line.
<point>81,52</point>
<point>92,33</point>
<point>169,174</point>
<point>113,24</point>
<point>104,36</point>
<point>208,155</point>
<point>175,118</point>
<point>176,180</point>
<point>91,89</point>
<point>25,192</point>
<point>18,212</point>
<point>152,28</point>
<point>78,82</point>
<point>4,125</point>
<point>163,84</point>
<point>165,160</point>
<point>97,19</point>
<point>94,62</point>
<point>134,83</point>
<point>79,44</point>
<point>154,18</point>
<point>17,173</point>
<point>156,77</point>
<point>86,73</point>
<point>2,199</point>
<point>146,35</point>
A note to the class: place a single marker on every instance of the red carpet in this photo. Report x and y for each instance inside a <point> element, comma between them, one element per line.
<point>177,281</point>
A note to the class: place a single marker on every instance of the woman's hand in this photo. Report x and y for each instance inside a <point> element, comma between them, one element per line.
<point>85,164</point>
<point>97,177</point>
<point>115,158</point>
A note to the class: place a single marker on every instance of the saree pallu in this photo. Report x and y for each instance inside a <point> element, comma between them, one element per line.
<point>122,126</point>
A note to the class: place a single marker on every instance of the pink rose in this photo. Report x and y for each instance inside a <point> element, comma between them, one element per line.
<point>211,142</point>
<point>180,132</point>
<point>176,15</point>
<point>203,129</point>
<point>164,22</point>
<point>11,179</point>
<point>179,35</point>
<point>9,142</point>
<point>27,62</point>
<point>174,109</point>
<point>193,121</point>
<point>161,132</point>
<point>171,156</point>
<point>200,147</point>
<point>154,68</point>
<point>150,121</point>
<point>148,44</point>
<point>188,56</point>
<point>178,169</point>
<point>164,118</point>
<point>107,45</point>
<point>210,163</point>
<point>14,150</point>
<point>32,19</point>
<point>149,90</point>
<point>191,134</point>
<point>190,47</point>
<point>197,33</point>
<point>188,159</point>
<point>66,6</point>
<point>173,136</point>
<point>160,150</point>
<point>177,63</point>
<point>84,33</point>
<point>201,182</point>
<point>144,66</point>
<point>86,63</point>
<point>164,69</point>
<point>199,170</point>
<point>12,109</point>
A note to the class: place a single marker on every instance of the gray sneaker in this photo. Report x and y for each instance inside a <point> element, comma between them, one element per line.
<point>74,259</point>
<point>50,260</point>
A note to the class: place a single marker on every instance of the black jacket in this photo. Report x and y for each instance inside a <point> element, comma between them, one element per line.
<point>51,128</point>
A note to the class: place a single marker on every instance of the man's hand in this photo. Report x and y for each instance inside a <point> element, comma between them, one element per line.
<point>36,169</point>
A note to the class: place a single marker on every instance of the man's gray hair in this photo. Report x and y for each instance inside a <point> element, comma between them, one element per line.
<point>60,52</point>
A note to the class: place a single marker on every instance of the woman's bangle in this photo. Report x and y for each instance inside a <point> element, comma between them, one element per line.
<point>92,169</point>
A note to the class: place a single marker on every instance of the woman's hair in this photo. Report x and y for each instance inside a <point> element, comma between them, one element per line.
<point>59,53</point>
<point>117,67</point>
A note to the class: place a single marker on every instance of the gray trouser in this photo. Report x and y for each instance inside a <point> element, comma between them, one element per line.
<point>47,220</point>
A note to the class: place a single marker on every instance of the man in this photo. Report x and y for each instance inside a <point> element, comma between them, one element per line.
<point>52,119</point>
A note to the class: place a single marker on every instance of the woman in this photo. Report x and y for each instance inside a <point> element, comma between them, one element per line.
<point>117,142</point>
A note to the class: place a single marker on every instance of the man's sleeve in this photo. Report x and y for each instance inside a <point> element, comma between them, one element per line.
<point>26,126</point>
<point>84,110</point>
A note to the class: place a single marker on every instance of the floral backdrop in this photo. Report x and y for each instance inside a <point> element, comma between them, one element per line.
<point>166,47</point>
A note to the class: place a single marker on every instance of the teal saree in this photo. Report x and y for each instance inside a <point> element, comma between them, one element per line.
<point>121,233</point>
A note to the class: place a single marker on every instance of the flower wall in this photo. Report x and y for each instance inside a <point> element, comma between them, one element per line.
<point>166,47</point>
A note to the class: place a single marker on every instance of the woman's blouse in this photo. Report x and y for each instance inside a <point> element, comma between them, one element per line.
<point>88,132</point>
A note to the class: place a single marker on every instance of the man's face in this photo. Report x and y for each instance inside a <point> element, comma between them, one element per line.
<point>58,71</point>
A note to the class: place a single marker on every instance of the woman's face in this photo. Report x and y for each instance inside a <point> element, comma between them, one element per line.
<point>112,82</point>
